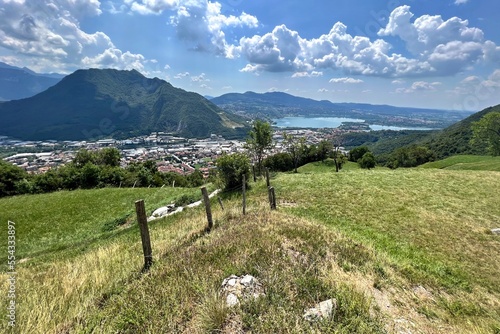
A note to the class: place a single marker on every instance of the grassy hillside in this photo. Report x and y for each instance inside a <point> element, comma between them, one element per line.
<point>404,250</point>
<point>466,162</point>
<point>74,219</point>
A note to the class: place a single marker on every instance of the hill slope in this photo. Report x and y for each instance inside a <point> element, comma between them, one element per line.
<point>400,251</point>
<point>466,162</point>
<point>92,103</point>
<point>19,83</point>
<point>456,138</point>
<point>453,140</point>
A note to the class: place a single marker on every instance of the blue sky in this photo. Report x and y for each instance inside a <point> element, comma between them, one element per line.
<point>421,53</point>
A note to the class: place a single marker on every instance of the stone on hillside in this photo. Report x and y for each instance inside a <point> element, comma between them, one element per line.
<point>496,231</point>
<point>247,280</point>
<point>238,288</point>
<point>232,300</point>
<point>323,310</point>
<point>161,211</point>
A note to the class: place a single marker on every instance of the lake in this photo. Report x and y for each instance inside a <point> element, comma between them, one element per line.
<point>332,122</point>
<point>313,122</point>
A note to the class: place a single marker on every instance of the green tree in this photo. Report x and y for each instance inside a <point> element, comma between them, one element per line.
<point>324,149</point>
<point>89,176</point>
<point>231,168</point>
<point>47,182</point>
<point>338,156</point>
<point>295,147</point>
<point>367,161</point>
<point>84,157</point>
<point>487,130</point>
<point>357,153</point>
<point>111,176</point>
<point>195,179</point>
<point>260,139</point>
<point>9,176</point>
<point>280,162</point>
<point>108,157</point>
<point>410,156</point>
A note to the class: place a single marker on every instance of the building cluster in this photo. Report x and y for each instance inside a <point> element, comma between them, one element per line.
<point>171,153</point>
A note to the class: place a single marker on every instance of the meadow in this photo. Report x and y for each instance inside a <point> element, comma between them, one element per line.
<point>400,250</point>
<point>466,162</point>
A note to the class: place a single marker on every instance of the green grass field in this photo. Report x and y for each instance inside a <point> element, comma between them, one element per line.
<point>67,219</point>
<point>407,250</point>
<point>466,162</point>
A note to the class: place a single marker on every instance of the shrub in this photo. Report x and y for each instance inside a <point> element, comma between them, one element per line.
<point>357,153</point>
<point>367,161</point>
<point>280,162</point>
<point>232,168</point>
<point>186,199</point>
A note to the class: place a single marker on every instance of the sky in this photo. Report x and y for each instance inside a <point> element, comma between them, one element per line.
<point>442,54</point>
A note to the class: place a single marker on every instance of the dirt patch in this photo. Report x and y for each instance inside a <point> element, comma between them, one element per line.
<point>233,325</point>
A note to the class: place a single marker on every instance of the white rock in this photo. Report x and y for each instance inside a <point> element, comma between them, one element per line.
<point>161,211</point>
<point>231,282</point>
<point>323,310</point>
<point>495,231</point>
<point>232,300</point>
<point>192,205</point>
<point>326,307</point>
<point>247,280</point>
<point>312,314</point>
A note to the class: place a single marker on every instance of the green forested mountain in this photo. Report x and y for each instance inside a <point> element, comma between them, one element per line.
<point>455,139</point>
<point>450,141</point>
<point>93,103</point>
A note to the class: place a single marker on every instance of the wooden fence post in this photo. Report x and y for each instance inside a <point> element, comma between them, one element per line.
<point>146,241</point>
<point>270,195</point>
<point>273,205</point>
<point>244,194</point>
<point>206,200</point>
<point>220,202</point>
<point>267,178</point>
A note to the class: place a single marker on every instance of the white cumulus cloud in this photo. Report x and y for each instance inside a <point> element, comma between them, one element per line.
<point>198,22</point>
<point>313,74</point>
<point>346,80</point>
<point>47,35</point>
<point>448,46</point>
<point>420,86</point>
<point>436,47</point>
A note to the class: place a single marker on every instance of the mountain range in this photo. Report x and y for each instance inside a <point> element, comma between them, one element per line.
<point>19,83</point>
<point>91,104</point>
<point>278,104</point>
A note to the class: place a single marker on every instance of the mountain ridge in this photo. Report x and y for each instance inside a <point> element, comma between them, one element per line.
<point>94,103</point>
<point>19,83</point>
<point>280,104</point>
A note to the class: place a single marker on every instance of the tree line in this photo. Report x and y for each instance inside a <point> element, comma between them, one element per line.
<point>91,169</point>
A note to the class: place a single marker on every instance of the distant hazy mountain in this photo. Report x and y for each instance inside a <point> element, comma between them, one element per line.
<point>19,83</point>
<point>278,104</point>
<point>90,104</point>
